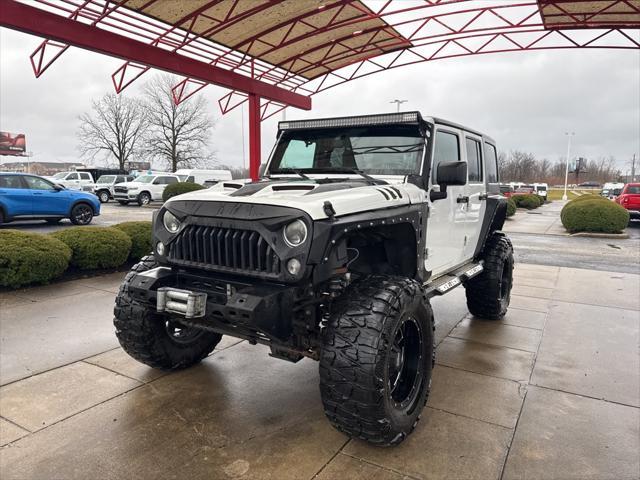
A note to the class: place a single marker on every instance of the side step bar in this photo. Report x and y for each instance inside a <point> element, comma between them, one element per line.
<point>451,280</point>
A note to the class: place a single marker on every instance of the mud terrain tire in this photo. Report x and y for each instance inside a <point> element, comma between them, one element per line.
<point>149,338</point>
<point>489,293</point>
<point>377,358</point>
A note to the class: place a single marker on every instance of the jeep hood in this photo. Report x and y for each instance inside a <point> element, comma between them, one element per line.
<point>347,197</point>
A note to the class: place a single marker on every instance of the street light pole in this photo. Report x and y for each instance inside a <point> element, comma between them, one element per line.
<point>398,103</point>
<point>566,171</point>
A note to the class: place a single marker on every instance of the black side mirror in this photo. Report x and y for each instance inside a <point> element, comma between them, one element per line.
<point>261,170</point>
<point>449,173</point>
<point>57,187</point>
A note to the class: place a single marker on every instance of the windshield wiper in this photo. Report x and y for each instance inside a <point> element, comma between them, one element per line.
<point>368,178</point>
<point>290,170</point>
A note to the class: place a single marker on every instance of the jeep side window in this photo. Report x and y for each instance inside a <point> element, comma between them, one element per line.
<point>447,149</point>
<point>491,163</point>
<point>298,155</point>
<point>474,160</point>
<point>72,176</point>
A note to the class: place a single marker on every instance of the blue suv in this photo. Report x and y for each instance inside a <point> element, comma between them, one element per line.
<point>28,197</point>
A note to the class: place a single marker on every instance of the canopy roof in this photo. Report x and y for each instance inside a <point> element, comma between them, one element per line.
<point>288,50</point>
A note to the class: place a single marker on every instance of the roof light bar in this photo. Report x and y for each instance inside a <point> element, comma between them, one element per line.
<point>382,119</point>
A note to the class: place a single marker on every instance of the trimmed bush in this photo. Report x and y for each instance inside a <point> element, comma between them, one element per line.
<point>27,258</point>
<point>140,235</point>
<point>179,188</point>
<point>511,207</point>
<point>595,216</point>
<point>96,247</point>
<point>529,201</point>
<point>576,201</point>
<point>541,199</point>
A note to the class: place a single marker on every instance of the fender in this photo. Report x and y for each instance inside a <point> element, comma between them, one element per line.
<point>494,218</point>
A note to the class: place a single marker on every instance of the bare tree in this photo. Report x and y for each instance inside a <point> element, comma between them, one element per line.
<point>114,129</point>
<point>178,135</point>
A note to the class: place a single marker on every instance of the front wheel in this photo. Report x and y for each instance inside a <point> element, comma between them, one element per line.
<point>81,214</point>
<point>103,196</point>
<point>489,294</point>
<point>376,359</point>
<point>159,341</point>
<point>144,199</point>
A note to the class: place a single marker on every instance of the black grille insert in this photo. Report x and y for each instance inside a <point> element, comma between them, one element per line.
<point>224,249</point>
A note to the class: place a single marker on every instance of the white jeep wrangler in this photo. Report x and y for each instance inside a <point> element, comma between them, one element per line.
<point>333,255</point>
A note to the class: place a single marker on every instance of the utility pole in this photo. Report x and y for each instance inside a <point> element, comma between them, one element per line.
<point>566,171</point>
<point>633,168</point>
<point>398,103</point>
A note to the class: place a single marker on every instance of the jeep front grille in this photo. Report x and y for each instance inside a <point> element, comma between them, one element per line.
<point>225,249</point>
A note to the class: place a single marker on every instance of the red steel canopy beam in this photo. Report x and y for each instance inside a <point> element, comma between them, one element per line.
<point>35,21</point>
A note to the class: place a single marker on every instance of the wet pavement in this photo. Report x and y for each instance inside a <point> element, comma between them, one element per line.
<point>539,238</point>
<point>551,391</point>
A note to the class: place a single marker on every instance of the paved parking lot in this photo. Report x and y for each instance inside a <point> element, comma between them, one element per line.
<point>552,391</point>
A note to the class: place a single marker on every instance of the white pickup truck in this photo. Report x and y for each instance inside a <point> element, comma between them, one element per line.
<point>143,189</point>
<point>73,180</point>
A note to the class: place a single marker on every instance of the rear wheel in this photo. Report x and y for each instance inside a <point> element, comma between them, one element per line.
<point>81,214</point>
<point>159,341</point>
<point>103,196</point>
<point>144,199</point>
<point>377,358</point>
<point>489,294</point>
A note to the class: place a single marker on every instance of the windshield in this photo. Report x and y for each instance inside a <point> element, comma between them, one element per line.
<point>388,150</point>
<point>60,175</point>
<point>145,179</point>
<point>106,179</point>
<point>542,188</point>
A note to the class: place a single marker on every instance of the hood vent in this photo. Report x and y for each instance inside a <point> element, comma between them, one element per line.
<point>390,193</point>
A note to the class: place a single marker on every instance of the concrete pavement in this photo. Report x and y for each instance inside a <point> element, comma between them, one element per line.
<point>551,391</point>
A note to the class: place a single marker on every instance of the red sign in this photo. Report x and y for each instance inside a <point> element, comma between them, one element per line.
<point>12,144</point>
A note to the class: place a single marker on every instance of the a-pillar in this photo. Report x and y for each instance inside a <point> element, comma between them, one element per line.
<point>254,135</point>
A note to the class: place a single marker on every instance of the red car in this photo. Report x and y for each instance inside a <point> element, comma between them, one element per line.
<point>630,199</point>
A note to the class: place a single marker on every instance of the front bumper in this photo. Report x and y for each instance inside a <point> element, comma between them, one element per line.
<point>125,195</point>
<point>231,306</point>
<point>634,213</point>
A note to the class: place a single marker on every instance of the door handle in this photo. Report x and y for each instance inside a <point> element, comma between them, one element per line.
<point>462,199</point>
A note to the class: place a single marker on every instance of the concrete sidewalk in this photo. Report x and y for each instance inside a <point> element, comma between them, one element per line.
<point>544,220</point>
<point>552,391</point>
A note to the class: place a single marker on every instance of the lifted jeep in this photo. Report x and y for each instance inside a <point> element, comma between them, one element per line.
<point>334,255</point>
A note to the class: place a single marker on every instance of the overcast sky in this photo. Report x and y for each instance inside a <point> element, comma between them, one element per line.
<point>524,101</point>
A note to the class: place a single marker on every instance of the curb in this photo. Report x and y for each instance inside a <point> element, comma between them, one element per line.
<point>620,236</point>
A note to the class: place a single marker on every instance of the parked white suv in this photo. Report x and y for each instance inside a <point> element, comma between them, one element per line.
<point>144,189</point>
<point>103,188</point>
<point>72,180</point>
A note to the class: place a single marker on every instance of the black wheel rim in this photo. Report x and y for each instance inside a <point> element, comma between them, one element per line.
<point>180,333</point>
<point>405,365</point>
<point>82,214</point>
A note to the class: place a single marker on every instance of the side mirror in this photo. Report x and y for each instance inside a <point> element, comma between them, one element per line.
<point>262,169</point>
<point>449,173</point>
<point>57,187</point>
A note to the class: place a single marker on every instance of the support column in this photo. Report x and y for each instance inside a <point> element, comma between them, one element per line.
<point>254,135</point>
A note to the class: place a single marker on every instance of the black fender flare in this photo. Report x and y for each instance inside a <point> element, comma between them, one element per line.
<point>494,217</point>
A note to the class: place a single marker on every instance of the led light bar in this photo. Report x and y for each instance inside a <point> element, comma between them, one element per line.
<point>364,120</point>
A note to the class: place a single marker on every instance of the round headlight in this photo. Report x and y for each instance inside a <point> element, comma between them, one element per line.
<point>295,233</point>
<point>171,223</point>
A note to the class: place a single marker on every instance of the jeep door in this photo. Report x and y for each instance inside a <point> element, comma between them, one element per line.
<point>475,194</point>
<point>446,227</point>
